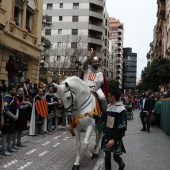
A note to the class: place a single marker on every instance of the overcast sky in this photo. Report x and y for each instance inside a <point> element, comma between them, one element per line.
<point>139,19</point>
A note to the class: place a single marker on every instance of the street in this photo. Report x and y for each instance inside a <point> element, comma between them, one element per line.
<point>54,151</point>
<point>57,151</point>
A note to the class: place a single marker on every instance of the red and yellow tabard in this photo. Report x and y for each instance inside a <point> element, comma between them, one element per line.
<point>91,79</point>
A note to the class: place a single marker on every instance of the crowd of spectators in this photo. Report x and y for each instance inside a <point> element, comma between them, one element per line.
<point>18,103</point>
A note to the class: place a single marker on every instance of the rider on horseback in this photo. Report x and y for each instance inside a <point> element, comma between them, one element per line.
<point>95,78</point>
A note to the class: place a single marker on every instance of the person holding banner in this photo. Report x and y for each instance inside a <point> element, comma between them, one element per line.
<point>39,114</point>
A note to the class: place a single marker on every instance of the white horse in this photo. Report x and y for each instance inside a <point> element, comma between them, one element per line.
<point>78,101</point>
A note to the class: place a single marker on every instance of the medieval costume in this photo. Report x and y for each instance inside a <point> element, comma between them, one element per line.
<point>37,122</point>
<point>21,123</point>
<point>95,79</point>
<point>51,109</point>
<point>10,115</point>
<point>115,124</point>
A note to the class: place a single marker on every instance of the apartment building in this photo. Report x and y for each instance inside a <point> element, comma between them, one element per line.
<point>20,34</point>
<point>116,30</point>
<point>112,60</point>
<point>161,32</point>
<point>129,70</point>
<point>77,26</point>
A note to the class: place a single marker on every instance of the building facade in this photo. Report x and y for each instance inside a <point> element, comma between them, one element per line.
<point>129,70</point>
<point>20,34</point>
<point>161,33</point>
<point>77,26</point>
<point>112,60</point>
<point>116,30</point>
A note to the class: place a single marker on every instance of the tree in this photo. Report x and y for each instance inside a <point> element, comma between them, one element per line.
<point>68,54</point>
<point>154,75</point>
<point>45,47</point>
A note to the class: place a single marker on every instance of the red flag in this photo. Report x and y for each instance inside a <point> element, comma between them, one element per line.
<point>42,107</point>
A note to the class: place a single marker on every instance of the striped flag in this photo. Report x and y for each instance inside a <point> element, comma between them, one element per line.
<point>42,107</point>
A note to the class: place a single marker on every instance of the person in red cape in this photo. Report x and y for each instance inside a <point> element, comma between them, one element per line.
<point>95,79</point>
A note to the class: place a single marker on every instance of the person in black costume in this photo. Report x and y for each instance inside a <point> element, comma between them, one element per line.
<point>146,109</point>
<point>21,124</point>
<point>10,116</point>
<point>115,125</point>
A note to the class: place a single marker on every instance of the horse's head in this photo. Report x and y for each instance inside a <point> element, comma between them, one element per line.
<point>74,93</point>
<point>67,96</point>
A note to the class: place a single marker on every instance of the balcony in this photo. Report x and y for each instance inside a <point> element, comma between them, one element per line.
<point>98,2</point>
<point>95,41</point>
<point>22,35</point>
<point>96,15</point>
<point>161,12</point>
<point>94,25</point>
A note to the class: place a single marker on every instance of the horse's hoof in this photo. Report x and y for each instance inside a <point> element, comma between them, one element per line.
<point>94,155</point>
<point>75,167</point>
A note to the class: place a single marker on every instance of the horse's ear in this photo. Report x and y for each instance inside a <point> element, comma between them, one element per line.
<point>66,84</point>
<point>54,85</point>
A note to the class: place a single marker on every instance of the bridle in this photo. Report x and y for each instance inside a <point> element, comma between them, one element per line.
<point>71,107</point>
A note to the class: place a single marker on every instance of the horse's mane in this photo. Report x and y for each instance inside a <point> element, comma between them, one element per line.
<point>75,82</point>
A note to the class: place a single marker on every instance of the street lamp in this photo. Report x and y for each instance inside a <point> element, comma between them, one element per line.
<point>78,64</point>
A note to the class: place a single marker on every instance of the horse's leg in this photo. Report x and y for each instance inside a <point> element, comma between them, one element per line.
<point>89,131</point>
<point>98,143</point>
<point>78,145</point>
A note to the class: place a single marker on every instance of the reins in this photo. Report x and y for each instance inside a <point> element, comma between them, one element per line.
<point>79,108</point>
<point>72,105</point>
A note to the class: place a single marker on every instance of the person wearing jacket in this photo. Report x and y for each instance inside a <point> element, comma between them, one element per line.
<point>12,69</point>
<point>146,109</point>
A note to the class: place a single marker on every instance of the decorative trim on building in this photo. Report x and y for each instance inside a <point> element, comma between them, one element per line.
<point>35,17</point>
<point>25,33</point>
<point>12,10</point>
<point>12,26</point>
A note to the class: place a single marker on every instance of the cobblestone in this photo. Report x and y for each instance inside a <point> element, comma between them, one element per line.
<point>57,151</point>
<point>145,151</point>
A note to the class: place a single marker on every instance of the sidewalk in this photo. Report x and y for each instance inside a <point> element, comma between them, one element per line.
<point>145,151</point>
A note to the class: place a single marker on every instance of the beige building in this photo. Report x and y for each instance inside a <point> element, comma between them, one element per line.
<point>161,32</point>
<point>116,33</point>
<point>20,34</point>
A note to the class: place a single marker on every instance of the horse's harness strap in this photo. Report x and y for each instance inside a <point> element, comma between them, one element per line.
<point>71,106</point>
<point>84,103</point>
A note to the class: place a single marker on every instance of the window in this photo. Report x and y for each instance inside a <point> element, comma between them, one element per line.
<point>47,31</point>
<point>49,6</point>
<point>61,5</point>
<point>60,18</point>
<point>58,58</point>
<point>75,5</point>
<point>49,19</point>
<point>74,31</point>
<point>75,19</point>
<point>73,44</point>
<point>59,44</point>
<point>59,31</point>
<point>18,10</point>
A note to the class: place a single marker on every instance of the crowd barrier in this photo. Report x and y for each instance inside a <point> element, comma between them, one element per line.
<point>165,116</point>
